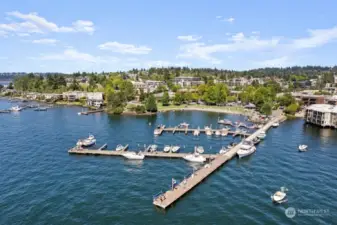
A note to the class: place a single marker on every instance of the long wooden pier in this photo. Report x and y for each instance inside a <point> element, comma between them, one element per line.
<point>166,199</point>
<point>79,151</point>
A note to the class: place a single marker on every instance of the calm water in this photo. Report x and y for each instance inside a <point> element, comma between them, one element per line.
<point>42,184</point>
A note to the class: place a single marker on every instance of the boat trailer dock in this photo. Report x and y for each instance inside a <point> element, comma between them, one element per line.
<point>169,197</point>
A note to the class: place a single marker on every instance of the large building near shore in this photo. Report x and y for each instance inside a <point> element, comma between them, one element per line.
<point>322,114</point>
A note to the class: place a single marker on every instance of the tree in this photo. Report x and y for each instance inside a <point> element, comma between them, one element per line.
<point>292,109</point>
<point>286,99</point>
<point>178,98</point>
<point>116,102</point>
<point>166,99</point>
<point>73,86</point>
<point>266,108</point>
<point>151,104</point>
<point>142,95</point>
<point>10,86</point>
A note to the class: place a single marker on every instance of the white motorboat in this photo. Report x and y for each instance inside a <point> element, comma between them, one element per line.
<point>153,148</point>
<point>87,142</point>
<point>303,148</point>
<point>217,133</point>
<point>184,125</point>
<point>199,149</point>
<point>276,124</point>
<point>167,148</point>
<point>279,197</point>
<point>195,158</point>
<point>247,148</point>
<point>224,132</point>
<point>156,132</point>
<point>261,135</point>
<point>16,108</point>
<point>196,132</point>
<point>121,147</point>
<point>231,145</point>
<point>256,140</point>
<point>208,131</point>
<point>134,155</point>
<point>175,148</point>
<point>223,150</point>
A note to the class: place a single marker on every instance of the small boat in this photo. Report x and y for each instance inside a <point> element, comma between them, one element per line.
<point>224,132</point>
<point>261,135</point>
<point>196,132</point>
<point>223,150</point>
<point>279,197</point>
<point>275,124</point>
<point>167,148</point>
<point>175,148</point>
<point>256,140</point>
<point>134,155</point>
<point>41,109</point>
<point>199,149</point>
<point>121,147</point>
<point>16,108</point>
<point>217,133</point>
<point>153,148</point>
<point>302,148</point>
<point>247,148</point>
<point>225,122</point>
<point>87,142</point>
<point>158,130</point>
<point>196,157</point>
<point>231,145</point>
<point>208,131</point>
<point>184,125</point>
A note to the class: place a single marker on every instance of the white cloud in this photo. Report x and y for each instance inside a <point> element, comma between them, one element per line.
<point>189,38</point>
<point>276,62</point>
<point>74,55</point>
<point>238,43</point>
<point>316,38</point>
<point>33,23</point>
<point>218,17</point>
<point>125,48</point>
<point>158,63</point>
<point>23,34</point>
<point>229,20</point>
<point>45,41</point>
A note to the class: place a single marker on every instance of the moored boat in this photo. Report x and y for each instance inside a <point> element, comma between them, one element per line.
<point>217,133</point>
<point>223,150</point>
<point>16,108</point>
<point>153,148</point>
<point>231,145</point>
<point>302,148</point>
<point>87,142</point>
<point>121,147</point>
<point>184,125</point>
<point>208,131</point>
<point>199,149</point>
<point>261,135</point>
<point>175,148</point>
<point>256,140</point>
<point>195,158</point>
<point>224,132</point>
<point>134,155</point>
<point>280,196</point>
<point>196,132</point>
<point>247,148</point>
<point>167,148</point>
<point>275,124</point>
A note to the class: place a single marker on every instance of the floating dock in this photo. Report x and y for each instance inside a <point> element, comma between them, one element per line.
<point>79,151</point>
<point>91,112</point>
<point>169,197</point>
<point>190,130</point>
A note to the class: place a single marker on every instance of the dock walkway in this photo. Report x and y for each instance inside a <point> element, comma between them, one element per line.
<point>166,199</point>
<point>191,130</point>
<point>147,154</point>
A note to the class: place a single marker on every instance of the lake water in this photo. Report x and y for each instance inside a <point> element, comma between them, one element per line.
<point>42,184</point>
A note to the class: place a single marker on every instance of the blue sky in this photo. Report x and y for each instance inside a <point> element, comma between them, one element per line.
<point>74,35</point>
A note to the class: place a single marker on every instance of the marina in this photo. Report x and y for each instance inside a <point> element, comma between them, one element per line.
<point>126,187</point>
<point>169,197</point>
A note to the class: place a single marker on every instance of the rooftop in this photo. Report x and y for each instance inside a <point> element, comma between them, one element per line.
<point>323,108</point>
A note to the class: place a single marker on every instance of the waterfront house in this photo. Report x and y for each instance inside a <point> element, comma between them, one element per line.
<point>138,85</point>
<point>74,95</point>
<point>95,99</point>
<point>52,96</point>
<point>322,114</point>
<point>188,81</point>
<point>152,85</point>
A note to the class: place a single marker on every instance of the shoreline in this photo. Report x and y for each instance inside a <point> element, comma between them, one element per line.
<point>207,109</point>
